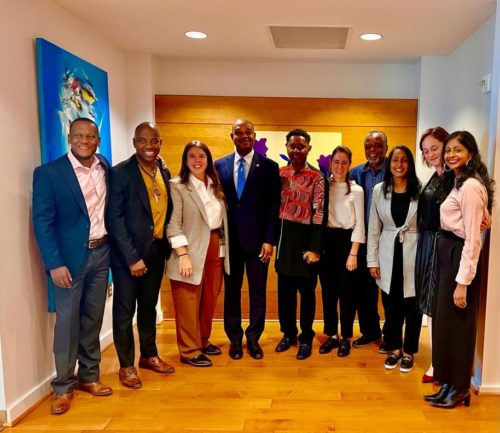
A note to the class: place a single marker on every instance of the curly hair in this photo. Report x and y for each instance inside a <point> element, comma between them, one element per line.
<point>300,133</point>
<point>413,183</point>
<point>474,168</point>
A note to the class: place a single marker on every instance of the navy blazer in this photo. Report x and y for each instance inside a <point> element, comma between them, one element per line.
<point>253,218</point>
<point>129,217</point>
<point>60,217</point>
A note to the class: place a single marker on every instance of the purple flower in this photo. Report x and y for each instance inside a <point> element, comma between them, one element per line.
<point>260,146</point>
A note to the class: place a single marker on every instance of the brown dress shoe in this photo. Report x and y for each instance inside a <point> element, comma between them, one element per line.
<point>129,377</point>
<point>95,388</point>
<point>156,364</point>
<point>61,403</point>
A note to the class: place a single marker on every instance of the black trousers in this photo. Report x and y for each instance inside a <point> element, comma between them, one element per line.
<point>400,311</point>
<point>257,279</point>
<point>454,329</point>
<point>287,306</point>
<point>337,283</point>
<point>141,291</point>
<point>366,301</point>
<point>79,313</point>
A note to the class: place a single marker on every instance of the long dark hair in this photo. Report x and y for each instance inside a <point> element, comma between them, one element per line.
<point>412,182</point>
<point>348,152</point>
<point>211,172</point>
<point>474,168</point>
<point>438,132</point>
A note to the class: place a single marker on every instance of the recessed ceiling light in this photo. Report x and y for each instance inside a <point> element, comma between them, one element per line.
<point>196,35</point>
<point>371,36</point>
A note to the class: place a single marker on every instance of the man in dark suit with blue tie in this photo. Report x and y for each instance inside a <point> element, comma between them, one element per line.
<point>69,200</point>
<point>251,185</point>
<point>139,210</point>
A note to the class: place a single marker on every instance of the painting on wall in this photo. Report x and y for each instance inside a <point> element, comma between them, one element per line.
<point>69,87</point>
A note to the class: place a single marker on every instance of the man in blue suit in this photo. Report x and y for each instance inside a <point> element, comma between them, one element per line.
<point>69,200</point>
<point>252,187</point>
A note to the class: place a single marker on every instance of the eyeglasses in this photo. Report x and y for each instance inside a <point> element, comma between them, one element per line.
<point>88,137</point>
<point>144,140</point>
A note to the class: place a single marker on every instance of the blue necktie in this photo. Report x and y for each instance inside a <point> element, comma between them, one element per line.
<point>240,182</point>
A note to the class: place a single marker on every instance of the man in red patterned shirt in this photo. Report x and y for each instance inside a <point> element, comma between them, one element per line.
<point>301,221</point>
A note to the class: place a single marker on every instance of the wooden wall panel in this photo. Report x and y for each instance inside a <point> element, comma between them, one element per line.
<point>209,119</point>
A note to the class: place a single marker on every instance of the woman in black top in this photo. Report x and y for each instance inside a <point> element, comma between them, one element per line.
<point>431,145</point>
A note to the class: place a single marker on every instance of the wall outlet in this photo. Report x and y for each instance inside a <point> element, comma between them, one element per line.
<point>485,84</point>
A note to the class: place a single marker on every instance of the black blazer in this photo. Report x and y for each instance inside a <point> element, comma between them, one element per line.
<point>252,218</point>
<point>129,217</point>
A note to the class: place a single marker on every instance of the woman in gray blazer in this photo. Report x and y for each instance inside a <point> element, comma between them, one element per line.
<point>198,234</point>
<point>391,250</point>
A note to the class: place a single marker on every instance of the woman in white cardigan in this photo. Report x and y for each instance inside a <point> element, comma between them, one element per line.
<point>391,250</point>
<point>197,232</point>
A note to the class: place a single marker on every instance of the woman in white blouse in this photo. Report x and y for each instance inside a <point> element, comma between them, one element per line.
<point>345,231</point>
<point>468,193</point>
<point>392,246</point>
<point>197,232</point>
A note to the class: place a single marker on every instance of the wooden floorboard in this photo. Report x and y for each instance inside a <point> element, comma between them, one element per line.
<point>275,395</point>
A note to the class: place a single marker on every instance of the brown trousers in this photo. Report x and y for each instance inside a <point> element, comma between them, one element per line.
<point>195,303</point>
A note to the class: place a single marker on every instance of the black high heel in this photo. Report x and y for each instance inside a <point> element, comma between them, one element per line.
<point>437,396</point>
<point>454,398</point>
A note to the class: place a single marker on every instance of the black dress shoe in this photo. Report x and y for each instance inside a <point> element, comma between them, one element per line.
<point>364,341</point>
<point>437,396</point>
<point>453,398</point>
<point>330,344</point>
<point>285,344</point>
<point>255,350</point>
<point>344,348</point>
<point>197,361</point>
<point>211,350</point>
<point>304,351</point>
<point>236,350</point>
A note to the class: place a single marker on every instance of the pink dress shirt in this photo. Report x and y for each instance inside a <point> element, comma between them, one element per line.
<point>462,213</point>
<point>93,185</point>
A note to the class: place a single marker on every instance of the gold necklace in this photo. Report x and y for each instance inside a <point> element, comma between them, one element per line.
<point>152,176</point>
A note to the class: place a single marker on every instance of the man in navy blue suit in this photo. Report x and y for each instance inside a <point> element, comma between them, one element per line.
<point>251,185</point>
<point>69,200</point>
<point>139,210</point>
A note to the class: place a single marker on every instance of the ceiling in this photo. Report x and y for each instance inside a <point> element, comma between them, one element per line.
<point>239,31</point>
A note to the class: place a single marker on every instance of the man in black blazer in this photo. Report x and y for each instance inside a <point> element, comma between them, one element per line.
<point>69,200</point>
<point>251,185</point>
<point>138,212</point>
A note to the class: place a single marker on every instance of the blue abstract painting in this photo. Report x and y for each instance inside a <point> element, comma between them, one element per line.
<point>68,88</point>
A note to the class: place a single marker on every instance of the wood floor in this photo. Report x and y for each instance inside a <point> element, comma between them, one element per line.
<point>277,394</point>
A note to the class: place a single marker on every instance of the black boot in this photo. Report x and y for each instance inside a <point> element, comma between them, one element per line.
<point>442,393</point>
<point>453,398</point>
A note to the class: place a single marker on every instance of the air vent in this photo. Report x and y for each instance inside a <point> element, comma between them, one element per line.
<point>325,38</point>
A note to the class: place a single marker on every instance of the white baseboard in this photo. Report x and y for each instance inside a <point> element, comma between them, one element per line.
<point>484,389</point>
<point>43,389</point>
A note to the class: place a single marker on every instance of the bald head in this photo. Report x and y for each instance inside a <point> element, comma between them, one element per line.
<point>145,126</point>
<point>243,136</point>
<point>147,143</point>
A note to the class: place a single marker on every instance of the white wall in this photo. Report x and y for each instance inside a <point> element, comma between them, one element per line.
<point>25,325</point>
<point>312,80</point>
<point>449,87</point>
<point>490,381</point>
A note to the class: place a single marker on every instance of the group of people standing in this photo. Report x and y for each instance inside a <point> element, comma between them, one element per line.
<point>356,229</point>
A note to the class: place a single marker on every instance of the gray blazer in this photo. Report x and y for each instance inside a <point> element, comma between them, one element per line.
<point>382,233</point>
<point>189,218</point>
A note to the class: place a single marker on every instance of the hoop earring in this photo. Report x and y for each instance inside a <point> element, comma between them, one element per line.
<point>468,163</point>
<point>446,168</point>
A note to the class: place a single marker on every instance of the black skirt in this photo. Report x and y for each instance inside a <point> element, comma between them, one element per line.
<point>425,271</point>
<point>454,329</point>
